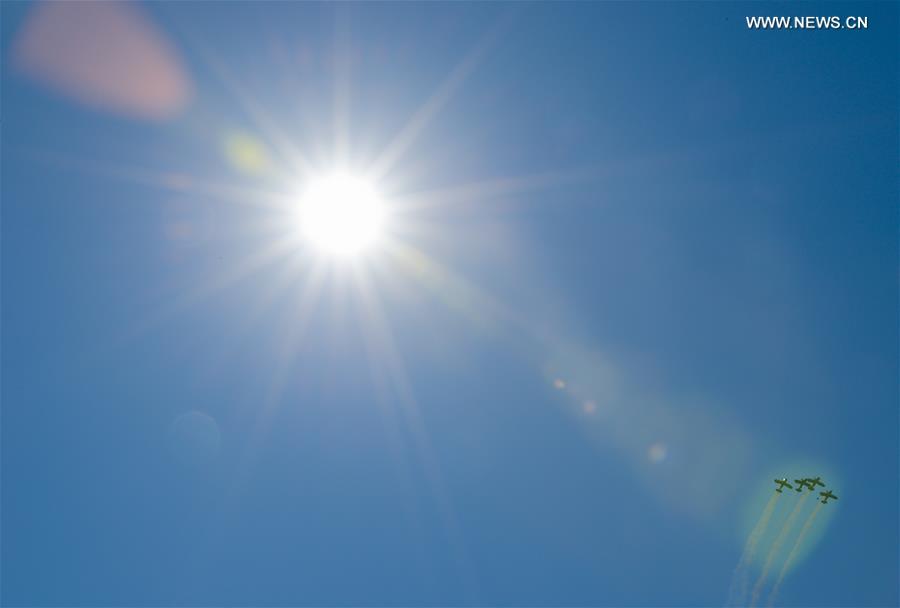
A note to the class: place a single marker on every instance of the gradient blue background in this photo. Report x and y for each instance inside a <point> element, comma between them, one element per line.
<point>730,241</point>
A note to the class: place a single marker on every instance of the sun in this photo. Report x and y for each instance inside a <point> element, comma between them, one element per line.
<point>341,215</point>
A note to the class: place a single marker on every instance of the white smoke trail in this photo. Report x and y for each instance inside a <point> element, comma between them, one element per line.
<point>793,554</point>
<point>776,547</point>
<point>740,578</point>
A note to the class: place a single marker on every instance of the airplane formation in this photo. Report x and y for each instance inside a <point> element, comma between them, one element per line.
<point>809,483</point>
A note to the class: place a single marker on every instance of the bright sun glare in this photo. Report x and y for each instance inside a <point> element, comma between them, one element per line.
<point>341,214</point>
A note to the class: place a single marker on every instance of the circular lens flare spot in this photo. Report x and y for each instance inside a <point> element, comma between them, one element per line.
<point>341,214</point>
<point>658,452</point>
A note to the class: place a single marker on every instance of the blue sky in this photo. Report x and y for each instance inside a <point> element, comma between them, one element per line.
<point>643,260</point>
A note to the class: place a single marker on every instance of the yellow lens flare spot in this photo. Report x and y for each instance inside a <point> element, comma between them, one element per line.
<point>341,215</point>
<point>246,153</point>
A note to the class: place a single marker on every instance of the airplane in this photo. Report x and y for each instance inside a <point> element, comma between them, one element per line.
<point>804,483</point>
<point>825,496</point>
<point>815,481</point>
<point>781,483</point>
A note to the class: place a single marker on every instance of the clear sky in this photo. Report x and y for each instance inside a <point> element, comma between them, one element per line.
<point>637,260</point>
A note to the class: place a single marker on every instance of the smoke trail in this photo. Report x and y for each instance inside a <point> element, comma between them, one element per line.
<point>793,554</point>
<point>776,546</point>
<point>741,576</point>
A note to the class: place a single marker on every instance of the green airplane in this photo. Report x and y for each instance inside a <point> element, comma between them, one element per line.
<point>815,481</point>
<point>804,483</point>
<point>781,483</point>
<point>826,495</point>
